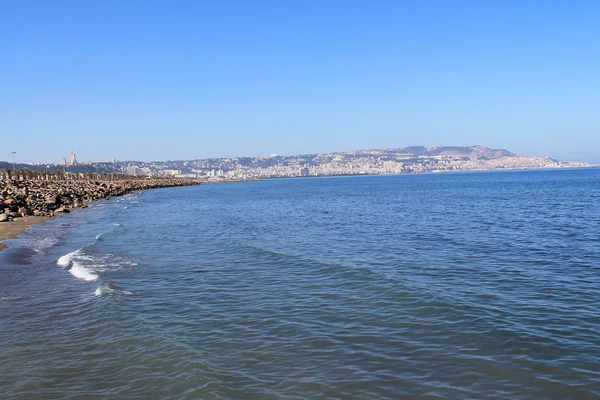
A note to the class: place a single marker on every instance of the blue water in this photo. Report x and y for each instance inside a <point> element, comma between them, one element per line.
<point>465,285</point>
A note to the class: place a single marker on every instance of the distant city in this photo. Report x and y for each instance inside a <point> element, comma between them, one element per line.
<point>407,160</point>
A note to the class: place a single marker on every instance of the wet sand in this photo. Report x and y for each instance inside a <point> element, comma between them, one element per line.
<point>12,229</point>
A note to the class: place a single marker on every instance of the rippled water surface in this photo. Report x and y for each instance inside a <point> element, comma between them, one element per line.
<point>478,285</point>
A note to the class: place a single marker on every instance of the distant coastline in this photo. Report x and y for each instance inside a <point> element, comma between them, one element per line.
<point>407,160</point>
<point>589,166</point>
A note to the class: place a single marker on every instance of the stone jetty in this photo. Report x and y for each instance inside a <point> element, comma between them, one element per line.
<point>41,197</point>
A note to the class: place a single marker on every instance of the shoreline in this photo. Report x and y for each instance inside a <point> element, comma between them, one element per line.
<point>26,202</point>
<point>17,227</point>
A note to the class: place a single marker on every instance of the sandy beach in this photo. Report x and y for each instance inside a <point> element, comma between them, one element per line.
<point>12,229</point>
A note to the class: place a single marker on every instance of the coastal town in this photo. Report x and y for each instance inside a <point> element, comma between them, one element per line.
<point>408,160</point>
<point>46,190</point>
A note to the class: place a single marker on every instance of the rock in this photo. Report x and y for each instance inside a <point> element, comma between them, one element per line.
<point>3,217</point>
<point>24,211</point>
<point>51,196</point>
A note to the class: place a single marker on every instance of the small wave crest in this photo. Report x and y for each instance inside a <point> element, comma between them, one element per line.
<point>131,196</point>
<point>65,261</point>
<point>79,271</point>
<point>110,290</point>
<point>86,266</point>
<point>10,298</point>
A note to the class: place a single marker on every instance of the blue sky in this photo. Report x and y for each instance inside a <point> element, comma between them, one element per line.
<point>159,80</point>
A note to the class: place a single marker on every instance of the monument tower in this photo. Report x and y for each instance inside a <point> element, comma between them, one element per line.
<point>73,159</point>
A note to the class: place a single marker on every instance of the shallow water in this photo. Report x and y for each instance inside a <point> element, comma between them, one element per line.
<point>466,285</point>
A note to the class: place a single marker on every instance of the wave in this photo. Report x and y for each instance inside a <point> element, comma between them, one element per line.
<point>110,290</point>
<point>79,271</point>
<point>87,266</point>
<point>65,261</point>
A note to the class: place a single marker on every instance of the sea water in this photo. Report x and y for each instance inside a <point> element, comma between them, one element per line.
<point>462,285</point>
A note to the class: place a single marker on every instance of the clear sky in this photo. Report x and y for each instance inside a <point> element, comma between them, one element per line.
<point>159,80</point>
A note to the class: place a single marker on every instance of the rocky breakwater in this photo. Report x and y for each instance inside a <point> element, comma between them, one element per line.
<point>21,198</point>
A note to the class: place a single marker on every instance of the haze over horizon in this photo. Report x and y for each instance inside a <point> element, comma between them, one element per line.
<point>151,80</point>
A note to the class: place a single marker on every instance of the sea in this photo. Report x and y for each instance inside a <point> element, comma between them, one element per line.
<point>481,285</point>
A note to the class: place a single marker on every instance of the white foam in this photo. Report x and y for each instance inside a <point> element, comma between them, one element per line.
<point>11,298</point>
<point>65,260</point>
<point>78,271</point>
<point>107,290</point>
<point>45,243</point>
<point>98,236</point>
<point>116,224</point>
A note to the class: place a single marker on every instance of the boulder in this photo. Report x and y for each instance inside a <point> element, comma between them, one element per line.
<point>24,211</point>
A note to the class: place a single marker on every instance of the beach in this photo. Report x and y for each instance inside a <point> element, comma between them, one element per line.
<point>12,229</point>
